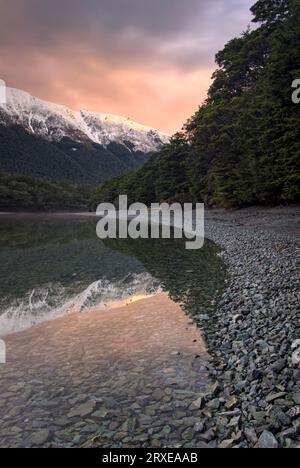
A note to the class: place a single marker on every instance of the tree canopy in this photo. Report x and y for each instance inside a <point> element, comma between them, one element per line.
<point>242,146</point>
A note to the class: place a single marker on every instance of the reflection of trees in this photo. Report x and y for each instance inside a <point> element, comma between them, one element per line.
<point>191,277</point>
<point>26,231</point>
<point>37,251</point>
<point>41,250</point>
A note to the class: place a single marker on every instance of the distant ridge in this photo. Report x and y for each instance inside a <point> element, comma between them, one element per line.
<point>47,140</point>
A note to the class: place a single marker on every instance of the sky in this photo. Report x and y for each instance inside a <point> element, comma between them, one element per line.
<point>149,60</point>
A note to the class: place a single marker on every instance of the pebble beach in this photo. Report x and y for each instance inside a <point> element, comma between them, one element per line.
<point>253,334</point>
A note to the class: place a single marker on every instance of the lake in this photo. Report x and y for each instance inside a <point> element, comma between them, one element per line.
<point>51,265</point>
<point>98,343</point>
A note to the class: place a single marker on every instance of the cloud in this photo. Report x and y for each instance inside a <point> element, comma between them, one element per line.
<point>120,54</point>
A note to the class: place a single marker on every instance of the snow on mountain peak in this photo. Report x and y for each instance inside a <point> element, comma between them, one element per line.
<point>54,122</point>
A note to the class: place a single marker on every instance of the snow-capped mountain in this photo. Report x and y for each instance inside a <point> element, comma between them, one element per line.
<point>54,122</point>
<point>45,140</point>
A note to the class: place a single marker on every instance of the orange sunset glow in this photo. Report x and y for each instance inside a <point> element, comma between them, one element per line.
<point>151,63</point>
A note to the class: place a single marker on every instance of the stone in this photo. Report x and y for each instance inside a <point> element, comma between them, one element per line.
<point>257,374</point>
<point>166,430</point>
<point>275,396</point>
<point>89,429</point>
<point>15,430</point>
<point>296,398</point>
<point>40,438</point>
<point>120,435</point>
<point>199,427</point>
<point>214,404</point>
<point>129,425</point>
<point>215,389</point>
<point>62,422</point>
<point>83,410</point>
<point>267,441</point>
<point>294,412</point>
<point>77,439</point>
<point>282,418</point>
<point>169,370</point>
<point>279,366</point>
<point>158,394</point>
<point>207,436</point>
<point>66,436</point>
<point>290,433</point>
<point>197,404</point>
<point>100,414</point>
<point>203,317</point>
<point>113,425</point>
<point>251,435</point>
<point>226,444</point>
<point>231,403</point>
<point>188,434</point>
<point>230,414</point>
<point>234,421</point>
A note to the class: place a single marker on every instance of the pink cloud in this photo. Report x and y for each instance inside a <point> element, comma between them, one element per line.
<point>151,64</point>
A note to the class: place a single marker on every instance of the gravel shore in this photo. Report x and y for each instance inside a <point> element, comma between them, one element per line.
<point>252,334</point>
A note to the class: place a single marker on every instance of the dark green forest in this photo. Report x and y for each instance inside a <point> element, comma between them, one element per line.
<point>66,160</point>
<point>242,146</point>
<point>21,193</point>
<point>39,175</point>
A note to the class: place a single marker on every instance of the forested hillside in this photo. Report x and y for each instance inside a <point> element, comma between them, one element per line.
<point>242,146</point>
<point>20,193</point>
<point>66,160</point>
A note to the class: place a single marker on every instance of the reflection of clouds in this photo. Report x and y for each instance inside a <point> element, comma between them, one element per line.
<point>118,56</point>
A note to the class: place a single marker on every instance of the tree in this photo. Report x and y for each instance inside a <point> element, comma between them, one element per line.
<point>270,12</point>
<point>242,146</point>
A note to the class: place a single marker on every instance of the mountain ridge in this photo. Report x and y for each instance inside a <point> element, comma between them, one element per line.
<point>48,141</point>
<point>55,121</point>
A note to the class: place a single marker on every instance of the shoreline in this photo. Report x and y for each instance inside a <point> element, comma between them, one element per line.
<point>255,400</point>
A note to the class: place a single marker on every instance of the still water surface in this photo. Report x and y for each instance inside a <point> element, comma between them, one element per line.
<point>82,375</point>
<point>52,265</point>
